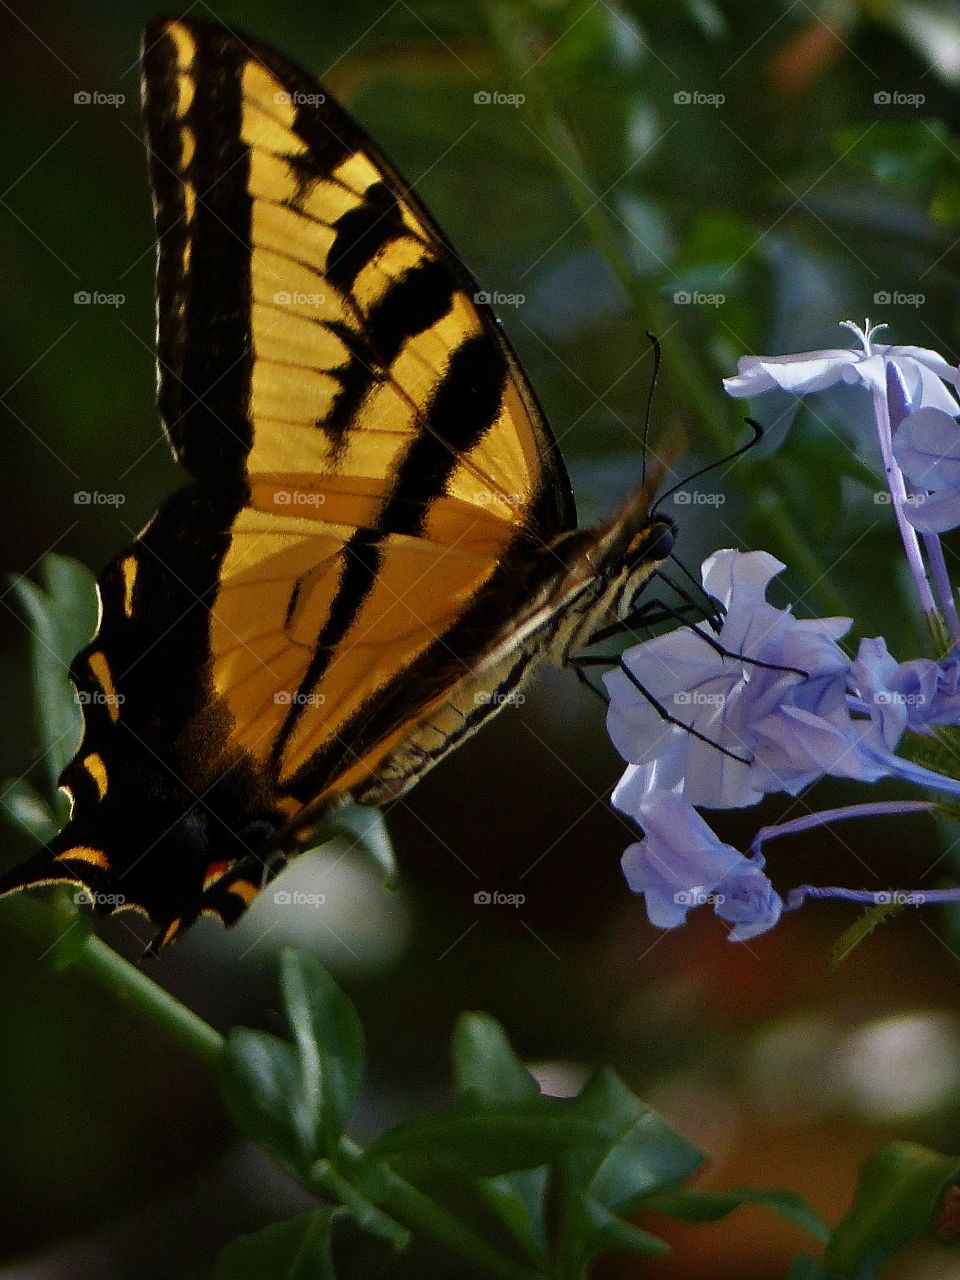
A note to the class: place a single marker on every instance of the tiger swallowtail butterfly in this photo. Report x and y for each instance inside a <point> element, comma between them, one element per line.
<point>378,541</point>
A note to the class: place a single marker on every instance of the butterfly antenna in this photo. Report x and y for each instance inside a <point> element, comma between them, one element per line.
<point>657,362</point>
<point>712,466</point>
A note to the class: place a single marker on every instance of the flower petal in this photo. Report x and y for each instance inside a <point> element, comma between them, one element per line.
<point>937,513</point>
<point>681,863</point>
<point>800,373</point>
<point>927,447</point>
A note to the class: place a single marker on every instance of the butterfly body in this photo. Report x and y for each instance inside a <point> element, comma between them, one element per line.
<point>378,546</point>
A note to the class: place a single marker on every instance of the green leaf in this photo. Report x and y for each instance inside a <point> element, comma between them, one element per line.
<point>261,1078</point>
<point>25,809</point>
<point>709,17</point>
<point>298,1249</point>
<point>74,938</point>
<point>488,1073</point>
<point>708,1206</point>
<point>600,43</point>
<point>904,153</point>
<point>519,1201</point>
<point>329,1041</point>
<point>634,1151</point>
<point>359,1200</point>
<point>492,1141</point>
<point>898,1193</point>
<point>945,204</point>
<point>485,1068</point>
<point>367,830</point>
<point>600,1230</point>
<point>714,243</point>
<point>61,614</point>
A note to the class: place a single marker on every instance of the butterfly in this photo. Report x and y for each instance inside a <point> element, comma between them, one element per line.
<point>378,544</point>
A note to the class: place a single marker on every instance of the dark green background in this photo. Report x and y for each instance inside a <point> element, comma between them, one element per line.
<point>799,198</point>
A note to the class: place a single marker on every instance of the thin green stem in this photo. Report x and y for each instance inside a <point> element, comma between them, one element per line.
<point>419,1212</point>
<point>410,1206</point>
<point>55,929</point>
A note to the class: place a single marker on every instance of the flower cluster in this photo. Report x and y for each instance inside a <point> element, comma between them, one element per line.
<point>722,712</point>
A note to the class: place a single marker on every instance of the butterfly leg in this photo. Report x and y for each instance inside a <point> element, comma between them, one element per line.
<point>596,660</point>
<point>646,616</point>
<point>650,614</point>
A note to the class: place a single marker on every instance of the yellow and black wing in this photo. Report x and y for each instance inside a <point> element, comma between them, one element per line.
<point>374,487</point>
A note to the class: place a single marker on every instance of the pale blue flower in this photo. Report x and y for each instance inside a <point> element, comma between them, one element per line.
<point>787,728</point>
<point>926,446</point>
<point>903,381</point>
<point>681,863</point>
<point>927,376</point>
<point>902,696</point>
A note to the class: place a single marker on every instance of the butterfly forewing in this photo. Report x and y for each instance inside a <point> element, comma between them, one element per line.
<point>376,491</point>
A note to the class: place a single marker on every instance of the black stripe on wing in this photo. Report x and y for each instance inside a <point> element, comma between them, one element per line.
<point>463,408</point>
<point>203,273</point>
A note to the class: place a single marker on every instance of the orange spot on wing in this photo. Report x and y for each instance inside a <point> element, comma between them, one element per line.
<point>244,890</point>
<point>216,871</point>
<point>84,853</point>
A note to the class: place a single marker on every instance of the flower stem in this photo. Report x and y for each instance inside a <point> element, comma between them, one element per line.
<point>880,809</point>
<point>898,492</point>
<point>872,897</point>
<point>941,579</point>
<point>53,929</point>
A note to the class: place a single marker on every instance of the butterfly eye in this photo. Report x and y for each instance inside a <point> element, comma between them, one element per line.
<point>653,543</point>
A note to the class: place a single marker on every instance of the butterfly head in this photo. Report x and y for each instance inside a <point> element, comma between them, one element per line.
<point>629,554</point>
